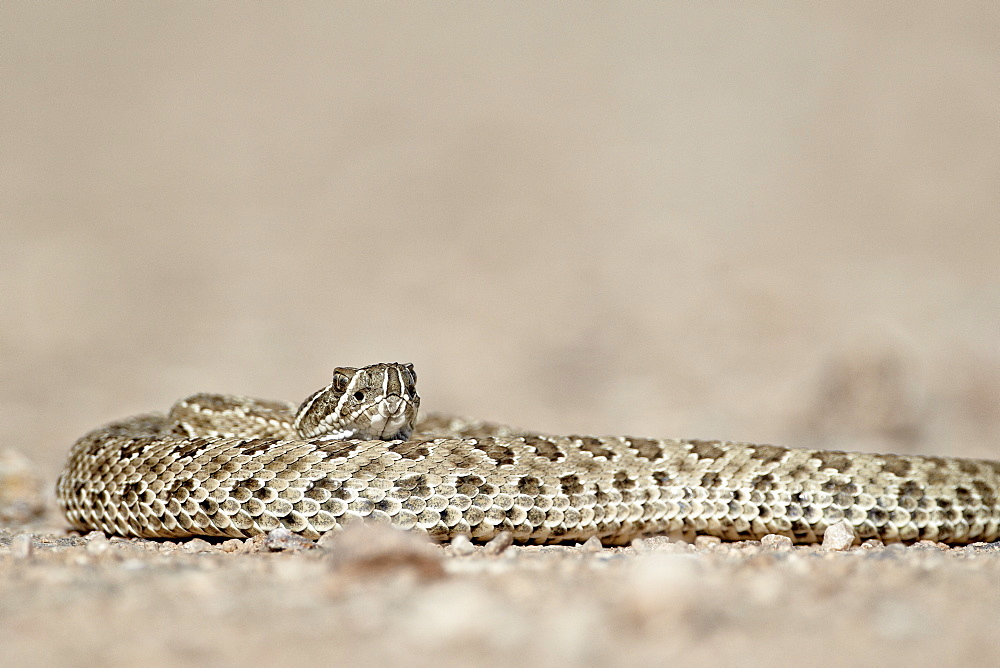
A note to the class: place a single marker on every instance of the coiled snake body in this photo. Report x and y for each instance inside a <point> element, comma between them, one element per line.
<point>219,465</point>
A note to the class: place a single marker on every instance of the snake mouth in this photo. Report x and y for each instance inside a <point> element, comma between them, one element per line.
<point>391,406</point>
<point>388,428</point>
<point>390,418</point>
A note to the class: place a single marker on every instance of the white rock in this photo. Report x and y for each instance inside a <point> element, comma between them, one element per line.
<point>707,542</point>
<point>839,536</point>
<point>461,545</point>
<point>499,543</point>
<point>21,546</point>
<point>196,545</point>
<point>97,542</point>
<point>773,541</point>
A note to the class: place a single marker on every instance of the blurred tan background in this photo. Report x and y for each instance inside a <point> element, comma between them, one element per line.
<point>771,222</point>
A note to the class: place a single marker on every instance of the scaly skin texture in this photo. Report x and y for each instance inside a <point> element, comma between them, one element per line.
<point>240,468</point>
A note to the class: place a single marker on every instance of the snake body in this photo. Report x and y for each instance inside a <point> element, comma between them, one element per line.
<point>219,465</point>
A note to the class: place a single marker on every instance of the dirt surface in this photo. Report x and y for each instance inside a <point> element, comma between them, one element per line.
<point>380,595</point>
<point>774,222</point>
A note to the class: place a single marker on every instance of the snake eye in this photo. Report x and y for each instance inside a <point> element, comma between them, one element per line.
<point>360,396</point>
<point>340,382</point>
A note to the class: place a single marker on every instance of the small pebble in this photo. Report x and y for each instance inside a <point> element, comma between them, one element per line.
<point>839,536</point>
<point>930,545</point>
<point>659,580</point>
<point>282,539</point>
<point>655,543</point>
<point>97,542</point>
<point>773,541</point>
<point>592,544</point>
<point>499,543</point>
<point>21,497</point>
<point>371,550</point>
<point>197,545</point>
<point>462,546</point>
<point>706,542</point>
<point>21,546</point>
<point>254,544</point>
<point>134,565</point>
<point>232,545</point>
<point>327,539</point>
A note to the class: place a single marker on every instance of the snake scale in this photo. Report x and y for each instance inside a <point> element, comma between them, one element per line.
<point>220,465</point>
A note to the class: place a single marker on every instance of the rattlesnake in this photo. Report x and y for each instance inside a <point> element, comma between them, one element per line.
<point>220,465</point>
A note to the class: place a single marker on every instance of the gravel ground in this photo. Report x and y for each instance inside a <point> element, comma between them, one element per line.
<point>373,594</point>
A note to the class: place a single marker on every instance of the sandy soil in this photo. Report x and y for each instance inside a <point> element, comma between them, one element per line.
<point>382,596</point>
<point>773,222</point>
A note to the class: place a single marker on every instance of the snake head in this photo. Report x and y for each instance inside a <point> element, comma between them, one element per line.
<point>377,402</point>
